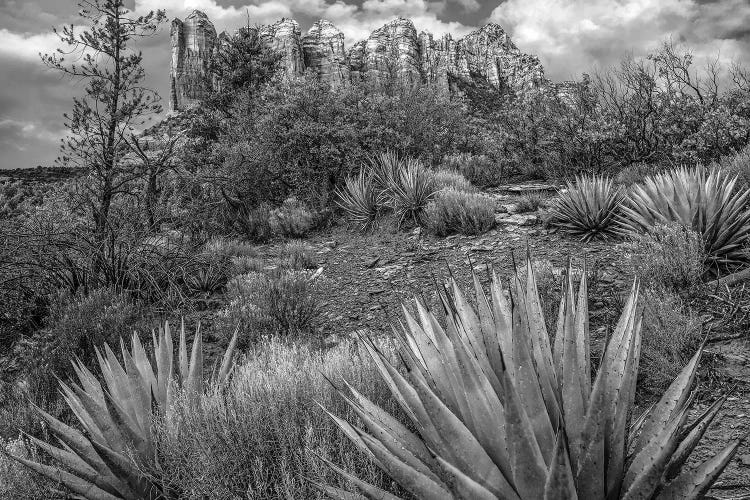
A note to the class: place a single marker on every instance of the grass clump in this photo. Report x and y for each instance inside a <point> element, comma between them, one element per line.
<point>531,202</point>
<point>296,255</point>
<point>292,219</point>
<point>670,256</point>
<point>459,212</point>
<point>671,335</point>
<point>480,170</point>
<point>261,437</point>
<point>451,179</point>
<point>277,303</point>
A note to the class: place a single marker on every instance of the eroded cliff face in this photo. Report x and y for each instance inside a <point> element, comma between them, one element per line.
<point>324,53</point>
<point>193,43</point>
<point>392,54</point>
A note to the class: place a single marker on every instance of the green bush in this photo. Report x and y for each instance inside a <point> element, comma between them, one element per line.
<point>278,303</point>
<point>459,212</point>
<point>671,335</point>
<point>262,436</point>
<point>669,256</point>
<point>480,170</point>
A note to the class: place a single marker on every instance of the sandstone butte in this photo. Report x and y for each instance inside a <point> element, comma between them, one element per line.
<point>394,52</point>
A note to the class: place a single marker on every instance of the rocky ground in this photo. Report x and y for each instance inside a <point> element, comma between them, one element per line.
<point>365,278</point>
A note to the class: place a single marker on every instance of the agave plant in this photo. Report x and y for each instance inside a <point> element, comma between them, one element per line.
<point>107,461</point>
<point>503,413</point>
<point>588,209</point>
<point>705,202</point>
<point>410,192</point>
<point>361,200</point>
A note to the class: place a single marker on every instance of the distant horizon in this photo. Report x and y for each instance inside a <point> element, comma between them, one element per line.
<point>569,38</point>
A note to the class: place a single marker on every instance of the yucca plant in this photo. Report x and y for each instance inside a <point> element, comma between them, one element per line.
<point>360,200</point>
<point>500,412</point>
<point>410,192</point>
<point>705,202</point>
<point>588,209</point>
<point>107,462</point>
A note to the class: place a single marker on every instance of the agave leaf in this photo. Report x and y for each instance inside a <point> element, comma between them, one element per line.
<point>647,468</point>
<point>371,492</point>
<point>527,461</point>
<point>335,493</point>
<point>693,484</point>
<point>183,357</point>
<point>227,360</point>
<point>194,382</point>
<point>670,403</point>
<point>417,483</point>
<point>690,441</point>
<point>560,484</point>
<point>73,483</point>
<point>124,468</point>
<point>464,486</point>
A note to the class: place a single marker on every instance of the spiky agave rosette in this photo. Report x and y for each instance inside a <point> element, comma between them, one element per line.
<point>502,413</point>
<point>106,463</point>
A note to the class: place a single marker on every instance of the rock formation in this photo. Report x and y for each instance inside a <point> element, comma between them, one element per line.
<point>193,44</point>
<point>285,38</point>
<point>323,48</point>
<point>394,53</point>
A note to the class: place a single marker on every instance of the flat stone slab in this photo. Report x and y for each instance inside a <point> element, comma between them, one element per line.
<point>526,188</point>
<point>522,220</point>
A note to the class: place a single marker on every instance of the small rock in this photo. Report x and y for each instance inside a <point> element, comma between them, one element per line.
<point>745,460</point>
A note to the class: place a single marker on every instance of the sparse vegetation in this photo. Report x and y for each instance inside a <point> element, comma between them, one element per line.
<point>459,212</point>
<point>670,256</point>
<point>703,201</point>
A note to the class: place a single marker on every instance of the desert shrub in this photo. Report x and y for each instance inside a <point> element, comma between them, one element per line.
<point>16,480</point>
<point>410,191</point>
<point>480,170</point>
<point>671,335</point>
<point>243,264</point>
<point>262,436</point>
<point>77,324</point>
<point>634,174</point>
<point>459,212</point>
<point>738,164</point>
<point>360,200</point>
<point>450,179</point>
<point>256,222</point>
<point>588,209</point>
<point>292,219</point>
<point>296,255</point>
<point>278,303</point>
<point>531,202</point>
<point>229,247</point>
<point>669,256</point>
<point>704,201</point>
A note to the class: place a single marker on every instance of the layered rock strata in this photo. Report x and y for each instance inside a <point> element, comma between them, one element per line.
<point>394,53</point>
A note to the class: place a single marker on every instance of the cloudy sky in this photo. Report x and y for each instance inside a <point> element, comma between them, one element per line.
<point>570,37</point>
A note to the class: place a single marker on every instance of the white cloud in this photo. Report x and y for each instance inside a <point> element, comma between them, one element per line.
<point>572,36</point>
<point>27,46</point>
